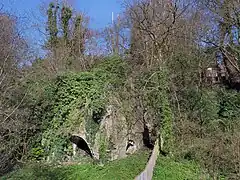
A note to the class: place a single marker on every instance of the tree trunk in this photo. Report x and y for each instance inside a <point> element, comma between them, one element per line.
<point>233,70</point>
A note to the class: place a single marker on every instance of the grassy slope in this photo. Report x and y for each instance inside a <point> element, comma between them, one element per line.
<point>123,169</point>
<point>168,169</point>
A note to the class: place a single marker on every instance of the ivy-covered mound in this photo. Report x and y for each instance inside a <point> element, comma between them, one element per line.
<point>71,99</point>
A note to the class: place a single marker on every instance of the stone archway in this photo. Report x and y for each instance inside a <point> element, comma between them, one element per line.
<point>79,142</point>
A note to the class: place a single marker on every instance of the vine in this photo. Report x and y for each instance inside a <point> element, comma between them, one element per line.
<point>155,93</point>
<point>52,23</point>
<point>76,98</point>
<point>66,15</point>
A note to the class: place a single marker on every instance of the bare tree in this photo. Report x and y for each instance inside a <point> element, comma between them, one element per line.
<point>225,24</point>
<point>14,123</point>
<point>154,25</point>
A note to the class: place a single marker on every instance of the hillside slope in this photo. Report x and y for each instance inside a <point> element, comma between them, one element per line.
<point>126,168</point>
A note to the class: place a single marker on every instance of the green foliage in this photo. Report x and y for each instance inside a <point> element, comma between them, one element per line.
<point>229,104</point>
<point>52,23</point>
<point>206,105</point>
<point>66,15</point>
<point>156,96</point>
<point>210,129</point>
<point>78,21</point>
<point>166,127</point>
<point>117,70</point>
<point>167,168</point>
<point>91,127</point>
<point>78,36</point>
<point>202,105</point>
<point>103,147</point>
<point>123,169</point>
<point>37,153</point>
<point>73,99</point>
<point>184,67</point>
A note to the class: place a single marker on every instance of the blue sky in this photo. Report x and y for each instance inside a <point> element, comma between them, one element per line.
<point>99,10</point>
<point>32,16</point>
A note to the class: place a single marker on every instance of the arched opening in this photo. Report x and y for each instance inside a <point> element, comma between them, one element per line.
<point>146,138</point>
<point>81,144</point>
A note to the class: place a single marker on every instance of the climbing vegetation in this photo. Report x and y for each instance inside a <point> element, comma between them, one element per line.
<point>52,24</point>
<point>156,97</point>
<point>72,99</point>
<point>103,142</point>
<point>66,15</point>
<point>178,63</point>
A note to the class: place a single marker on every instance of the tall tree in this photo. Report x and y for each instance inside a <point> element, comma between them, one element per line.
<point>226,16</point>
<point>14,124</point>
<point>79,34</point>
<point>52,24</point>
<point>66,15</point>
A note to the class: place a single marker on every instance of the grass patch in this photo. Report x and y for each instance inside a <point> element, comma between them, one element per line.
<point>169,169</point>
<point>127,168</point>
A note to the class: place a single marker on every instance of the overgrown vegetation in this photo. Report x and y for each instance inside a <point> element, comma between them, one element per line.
<point>72,99</point>
<point>172,67</point>
<point>155,93</point>
<point>207,135</point>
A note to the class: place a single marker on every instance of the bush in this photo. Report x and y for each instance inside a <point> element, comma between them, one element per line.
<point>201,106</point>
<point>209,133</point>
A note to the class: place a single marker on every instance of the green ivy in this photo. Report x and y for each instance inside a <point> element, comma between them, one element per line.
<point>155,91</point>
<point>66,15</point>
<point>103,147</point>
<point>37,153</point>
<point>229,104</point>
<point>74,98</point>
<point>202,105</point>
<point>52,24</point>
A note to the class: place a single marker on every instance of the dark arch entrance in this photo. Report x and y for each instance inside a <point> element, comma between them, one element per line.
<point>146,138</point>
<point>81,144</point>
